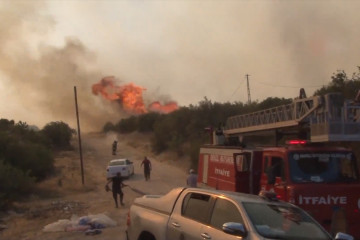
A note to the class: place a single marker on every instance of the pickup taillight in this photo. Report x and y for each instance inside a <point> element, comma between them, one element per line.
<point>128,220</point>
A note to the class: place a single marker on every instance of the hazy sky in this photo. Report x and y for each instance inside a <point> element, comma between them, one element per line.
<point>177,50</point>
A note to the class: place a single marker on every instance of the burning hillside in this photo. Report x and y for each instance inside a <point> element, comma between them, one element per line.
<point>129,97</point>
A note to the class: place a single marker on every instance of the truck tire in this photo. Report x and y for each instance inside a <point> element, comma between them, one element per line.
<point>146,236</point>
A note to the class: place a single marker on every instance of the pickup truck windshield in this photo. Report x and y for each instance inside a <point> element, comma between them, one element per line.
<point>322,167</point>
<point>283,222</point>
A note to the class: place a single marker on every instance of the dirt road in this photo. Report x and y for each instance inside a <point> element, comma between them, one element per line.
<point>64,196</point>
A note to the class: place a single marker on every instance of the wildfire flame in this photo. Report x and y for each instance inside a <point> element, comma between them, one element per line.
<point>130,97</point>
<point>166,108</point>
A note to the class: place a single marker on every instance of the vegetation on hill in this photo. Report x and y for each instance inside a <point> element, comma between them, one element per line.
<point>26,156</point>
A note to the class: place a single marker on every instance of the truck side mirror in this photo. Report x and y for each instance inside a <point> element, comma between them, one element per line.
<point>343,236</point>
<point>234,228</point>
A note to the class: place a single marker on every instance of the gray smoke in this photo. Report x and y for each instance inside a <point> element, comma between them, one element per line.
<point>43,83</point>
<point>185,49</point>
<point>320,37</point>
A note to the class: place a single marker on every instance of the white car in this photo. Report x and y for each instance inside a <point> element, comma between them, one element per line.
<point>124,166</point>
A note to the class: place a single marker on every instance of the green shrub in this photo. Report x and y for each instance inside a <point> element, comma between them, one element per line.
<point>146,122</point>
<point>127,125</point>
<point>59,134</point>
<point>15,184</point>
<point>108,127</point>
<point>33,158</point>
<point>6,125</point>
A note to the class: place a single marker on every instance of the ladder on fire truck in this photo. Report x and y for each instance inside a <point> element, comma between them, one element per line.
<point>328,118</point>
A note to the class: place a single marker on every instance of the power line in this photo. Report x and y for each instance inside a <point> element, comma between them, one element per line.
<point>288,86</point>
<point>236,89</point>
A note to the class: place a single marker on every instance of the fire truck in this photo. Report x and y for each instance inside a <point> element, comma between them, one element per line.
<point>294,150</point>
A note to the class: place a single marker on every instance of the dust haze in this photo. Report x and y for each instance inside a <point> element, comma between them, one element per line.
<point>42,80</point>
<point>177,50</point>
<point>321,37</point>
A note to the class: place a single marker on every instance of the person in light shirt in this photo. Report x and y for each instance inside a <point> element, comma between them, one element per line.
<point>191,180</point>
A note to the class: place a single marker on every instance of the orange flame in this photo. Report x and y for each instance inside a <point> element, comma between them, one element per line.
<point>129,97</point>
<point>166,108</point>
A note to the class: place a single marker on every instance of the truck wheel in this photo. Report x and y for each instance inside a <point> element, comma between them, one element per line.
<point>146,236</point>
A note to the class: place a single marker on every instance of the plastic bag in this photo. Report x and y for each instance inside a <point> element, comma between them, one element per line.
<point>77,228</point>
<point>102,219</point>
<point>80,224</point>
<point>58,226</point>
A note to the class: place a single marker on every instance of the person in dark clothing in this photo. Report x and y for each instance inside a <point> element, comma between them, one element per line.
<point>117,185</point>
<point>114,147</point>
<point>147,168</point>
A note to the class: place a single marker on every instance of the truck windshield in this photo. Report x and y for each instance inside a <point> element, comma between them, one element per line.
<point>322,167</point>
<point>283,222</point>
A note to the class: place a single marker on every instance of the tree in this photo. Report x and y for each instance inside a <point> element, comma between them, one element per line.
<point>109,126</point>
<point>340,82</point>
<point>59,134</point>
<point>15,184</point>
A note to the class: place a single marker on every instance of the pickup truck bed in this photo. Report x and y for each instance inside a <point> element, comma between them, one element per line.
<point>159,203</point>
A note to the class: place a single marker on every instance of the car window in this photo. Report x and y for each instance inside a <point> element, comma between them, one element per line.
<point>117,163</point>
<point>128,162</point>
<point>196,206</point>
<point>224,211</point>
<point>322,167</point>
<point>242,162</point>
<point>283,222</point>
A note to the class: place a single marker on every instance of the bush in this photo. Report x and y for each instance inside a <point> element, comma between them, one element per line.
<point>15,184</point>
<point>32,158</point>
<point>108,127</point>
<point>5,124</point>
<point>127,125</point>
<point>59,134</point>
<point>146,122</point>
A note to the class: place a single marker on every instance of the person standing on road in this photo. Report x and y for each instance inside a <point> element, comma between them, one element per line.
<point>117,185</point>
<point>147,168</point>
<point>191,180</point>
<point>114,147</point>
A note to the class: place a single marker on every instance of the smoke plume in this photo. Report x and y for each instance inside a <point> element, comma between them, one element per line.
<point>43,79</point>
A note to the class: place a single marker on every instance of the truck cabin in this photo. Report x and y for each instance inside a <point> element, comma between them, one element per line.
<point>301,164</point>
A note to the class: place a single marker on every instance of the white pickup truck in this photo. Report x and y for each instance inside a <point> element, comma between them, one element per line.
<point>194,213</point>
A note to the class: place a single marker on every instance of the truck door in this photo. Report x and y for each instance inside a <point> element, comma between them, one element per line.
<point>205,169</point>
<point>243,178</point>
<point>273,176</point>
<point>189,214</point>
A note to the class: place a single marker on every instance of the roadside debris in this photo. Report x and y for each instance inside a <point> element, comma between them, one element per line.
<point>90,224</point>
<point>65,208</point>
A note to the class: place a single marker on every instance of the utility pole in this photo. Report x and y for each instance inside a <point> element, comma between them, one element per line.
<point>248,88</point>
<point>79,135</point>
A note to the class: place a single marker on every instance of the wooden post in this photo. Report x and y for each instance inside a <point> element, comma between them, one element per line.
<point>79,136</point>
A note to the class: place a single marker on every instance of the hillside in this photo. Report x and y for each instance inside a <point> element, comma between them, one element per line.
<point>63,195</point>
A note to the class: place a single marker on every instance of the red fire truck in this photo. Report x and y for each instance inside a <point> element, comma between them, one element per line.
<point>312,172</point>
